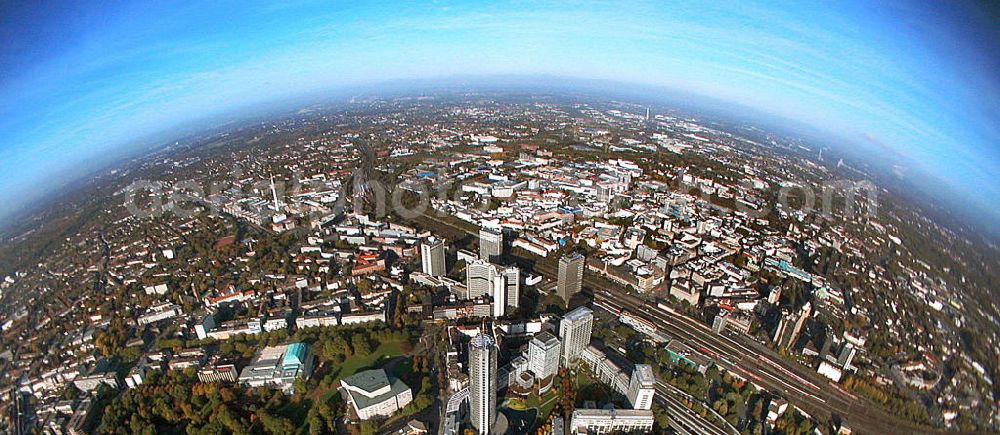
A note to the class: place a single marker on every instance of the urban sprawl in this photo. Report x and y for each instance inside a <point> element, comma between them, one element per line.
<point>494,264</point>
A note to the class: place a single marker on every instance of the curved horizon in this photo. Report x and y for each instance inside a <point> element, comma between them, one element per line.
<point>918,84</point>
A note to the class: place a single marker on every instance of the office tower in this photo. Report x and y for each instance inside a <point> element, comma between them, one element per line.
<point>483,383</point>
<point>543,355</point>
<point>575,330</point>
<point>603,192</point>
<point>779,331</point>
<point>784,335</point>
<point>432,257</point>
<point>642,387</point>
<point>512,279</point>
<point>719,322</point>
<point>481,279</point>
<point>774,295</point>
<point>570,277</point>
<point>846,355</point>
<point>490,243</point>
<point>499,289</point>
<point>803,315</point>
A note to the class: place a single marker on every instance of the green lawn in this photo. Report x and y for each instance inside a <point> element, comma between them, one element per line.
<point>383,353</point>
<point>357,363</point>
<point>543,403</point>
<point>297,412</point>
<point>583,378</point>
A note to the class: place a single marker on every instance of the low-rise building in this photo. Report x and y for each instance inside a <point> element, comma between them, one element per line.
<point>607,421</point>
<point>159,312</point>
<point>373,393</point>
<point>278,367</point>
<point>218,373</point>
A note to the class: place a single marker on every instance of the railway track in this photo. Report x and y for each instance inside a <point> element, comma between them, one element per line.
<point>805,389</point>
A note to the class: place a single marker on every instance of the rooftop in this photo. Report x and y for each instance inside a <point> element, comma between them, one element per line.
<point>376,383</point>
<point>578,314</point>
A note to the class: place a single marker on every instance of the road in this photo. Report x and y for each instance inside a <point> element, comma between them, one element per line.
<point>806,389</point>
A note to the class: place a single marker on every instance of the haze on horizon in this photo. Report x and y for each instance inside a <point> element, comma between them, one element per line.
<point>917,83</point>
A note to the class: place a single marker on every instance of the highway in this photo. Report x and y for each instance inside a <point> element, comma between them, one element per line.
<point>807,390</point>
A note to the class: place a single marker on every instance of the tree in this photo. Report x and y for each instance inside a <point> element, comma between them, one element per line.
<point>275,425</point>
<point>369,427</point>
<point>360,344</point>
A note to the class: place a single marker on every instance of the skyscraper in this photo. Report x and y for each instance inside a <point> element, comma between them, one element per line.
<point>483,383</point>
<point>432,257</point>
<point>570,277</point>
<point>575,330</point>
<point>803,315</point>
<point>499,289</point>
<point>481,278</point>
<point>512,278</point>
<point>790,325</point>
<point>543,356</point>
<point>642,387</point>
<point>490,243</point>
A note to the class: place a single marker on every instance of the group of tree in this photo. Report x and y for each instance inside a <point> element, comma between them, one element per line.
<point>792,422</point>
<point>892,401</point>
<point>176,402</point>
<point>340,343</point>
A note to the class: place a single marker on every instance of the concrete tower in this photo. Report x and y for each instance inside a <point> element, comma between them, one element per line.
<point>570,278</point>
<point>483,383</point>
<point>432,257</point>
<point>575,330</point>
<point>490,243</point>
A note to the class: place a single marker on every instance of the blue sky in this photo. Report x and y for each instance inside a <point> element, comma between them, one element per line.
<point>81,84</point>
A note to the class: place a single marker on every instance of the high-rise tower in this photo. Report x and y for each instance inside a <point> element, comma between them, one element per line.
<point>642,387</point>
<point>432,257</point>
<point>490,243</point>
<point>574,330</point>
<point>512,279</point>
<point>483,383</point>
<point>480,278</point>
<point>570,278</point>
<point>543,356</point>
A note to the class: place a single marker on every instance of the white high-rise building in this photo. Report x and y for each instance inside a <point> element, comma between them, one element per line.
<point>543,355</point>
<point>480,277</point>
<point>490,243</point>
<point>499,289</point>
<point>642,387</point>
<point>512,277</point>
<point>483,383</point>
<point>483,278</point>
<point>432,257</point>
<point>574,330</point>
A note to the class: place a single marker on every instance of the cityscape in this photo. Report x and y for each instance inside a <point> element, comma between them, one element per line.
<point>494,263</point>
<point>500,218</point>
